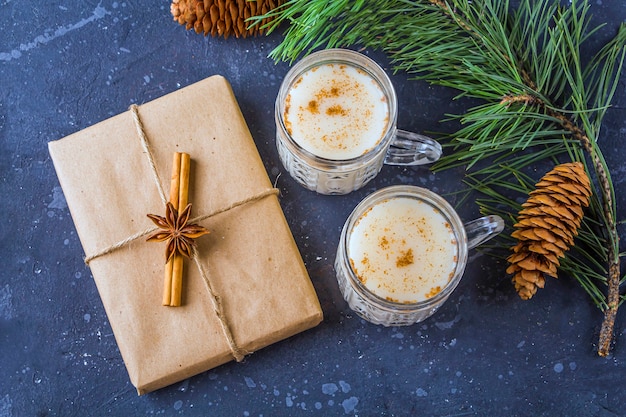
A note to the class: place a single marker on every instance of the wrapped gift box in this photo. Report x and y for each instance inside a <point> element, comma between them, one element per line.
<point>254,269</point>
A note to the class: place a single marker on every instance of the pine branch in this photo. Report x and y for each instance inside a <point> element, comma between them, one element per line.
<point>540,102</point>
<point>575,18</point>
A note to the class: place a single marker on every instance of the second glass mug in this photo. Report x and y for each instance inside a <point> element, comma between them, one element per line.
<point>422,220</point>
<point>343,173</point>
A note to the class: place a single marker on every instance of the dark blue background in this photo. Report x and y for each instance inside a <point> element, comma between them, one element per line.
<point>65,65</point>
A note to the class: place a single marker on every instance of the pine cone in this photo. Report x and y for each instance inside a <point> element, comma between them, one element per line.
<point>222,17</point>
<point>546,226</point>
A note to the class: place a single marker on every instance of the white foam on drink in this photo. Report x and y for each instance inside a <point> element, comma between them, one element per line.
<point>403,250</point>
<point>336,111</point>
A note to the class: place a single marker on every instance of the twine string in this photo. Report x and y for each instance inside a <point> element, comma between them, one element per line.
<point>216,301</point>
<point>112,248</point>
<point>143,139</point>
<point>237,352</point>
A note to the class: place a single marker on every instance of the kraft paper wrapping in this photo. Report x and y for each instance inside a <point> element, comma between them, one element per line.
<point>250,257</point>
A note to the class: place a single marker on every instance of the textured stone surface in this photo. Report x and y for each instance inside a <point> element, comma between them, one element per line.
<point>67,65</point>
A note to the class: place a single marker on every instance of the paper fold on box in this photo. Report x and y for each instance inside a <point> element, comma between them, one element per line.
<point>250,256</point>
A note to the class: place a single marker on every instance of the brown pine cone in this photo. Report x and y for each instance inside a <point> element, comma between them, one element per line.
<point>546,226</point>
<point>222,17</point>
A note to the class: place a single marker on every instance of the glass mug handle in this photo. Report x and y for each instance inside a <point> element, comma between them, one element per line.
<point>408,148</point>
<point>482,229</point>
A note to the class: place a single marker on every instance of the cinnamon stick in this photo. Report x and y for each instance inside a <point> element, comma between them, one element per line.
<point>183,196</point>
<point>179,194</point>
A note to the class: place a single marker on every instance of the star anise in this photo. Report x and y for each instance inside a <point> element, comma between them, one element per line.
<point>175,230</point>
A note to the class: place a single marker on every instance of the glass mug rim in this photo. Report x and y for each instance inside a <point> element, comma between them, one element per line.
<point>420,194</point>
<point>352,58</point>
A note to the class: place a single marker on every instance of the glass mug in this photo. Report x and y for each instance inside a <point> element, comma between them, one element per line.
<point>336,115</point>
<point>403,251</point>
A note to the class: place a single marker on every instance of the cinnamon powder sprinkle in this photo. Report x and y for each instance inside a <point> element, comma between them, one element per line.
<point>313,107</point>
<point>336,110</point>
<point>433,291</point>
<point>405,258</point>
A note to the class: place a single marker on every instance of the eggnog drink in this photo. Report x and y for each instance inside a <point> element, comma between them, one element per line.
<point>403,250</point>
<point>336,111</point>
